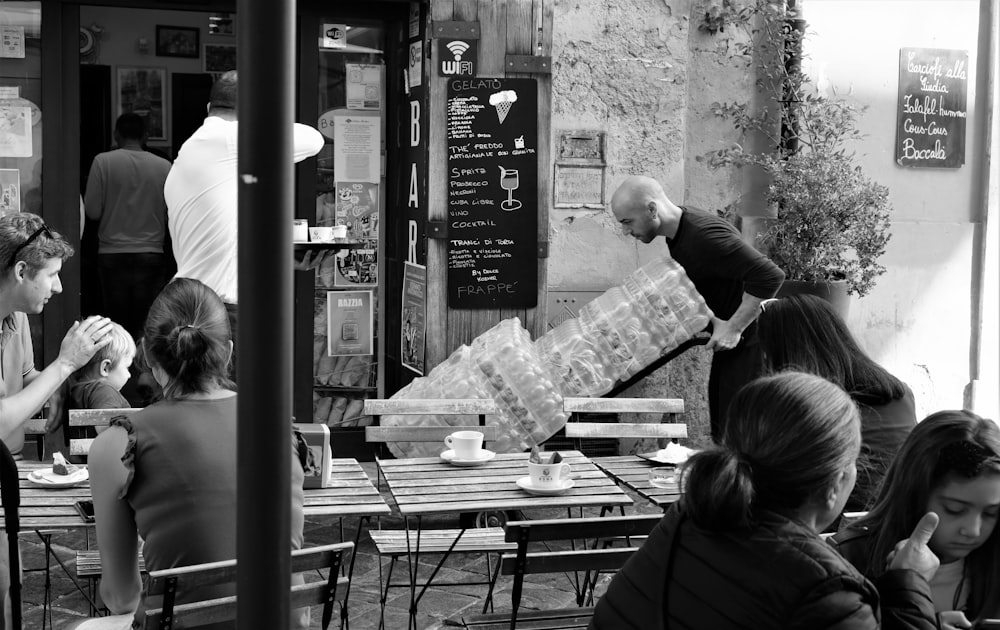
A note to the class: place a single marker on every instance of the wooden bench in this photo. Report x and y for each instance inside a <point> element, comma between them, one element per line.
<point>598,556</point>
<point>395,543</point>
<point>92,418</point>
<point>192,614</point>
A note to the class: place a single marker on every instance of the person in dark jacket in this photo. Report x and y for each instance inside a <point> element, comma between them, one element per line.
<point>950,465</point>
<point>804,332</point>
<point>741,550</point>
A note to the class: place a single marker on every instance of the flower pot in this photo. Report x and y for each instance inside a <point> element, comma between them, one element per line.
<point>834,292</point>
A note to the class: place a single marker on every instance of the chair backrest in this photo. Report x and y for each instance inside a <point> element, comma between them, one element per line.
<point>577,430</point>
<point>442,407</point>
<point>195,613</point>
<point>597,556</point>
<point>93,418</point>
<point>10,494</point>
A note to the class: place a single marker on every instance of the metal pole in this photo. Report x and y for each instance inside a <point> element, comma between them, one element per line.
<point>264,337</point>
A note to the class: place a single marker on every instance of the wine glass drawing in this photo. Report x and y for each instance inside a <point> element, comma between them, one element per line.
<point>509,181</point>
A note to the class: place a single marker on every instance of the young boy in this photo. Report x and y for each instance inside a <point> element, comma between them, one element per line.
<point>98,384</point>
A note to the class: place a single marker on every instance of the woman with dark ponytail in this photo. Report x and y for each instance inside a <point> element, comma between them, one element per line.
<point>167,474</point>
<point>742,550</point>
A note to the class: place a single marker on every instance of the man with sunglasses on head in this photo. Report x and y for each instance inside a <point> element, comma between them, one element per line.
<point>733,277</point>
<point>32,256</point>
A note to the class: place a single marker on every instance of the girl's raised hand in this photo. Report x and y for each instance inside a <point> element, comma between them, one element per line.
<point>913,553</point>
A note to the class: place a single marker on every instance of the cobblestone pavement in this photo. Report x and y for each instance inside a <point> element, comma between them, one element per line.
<point>439,605</point>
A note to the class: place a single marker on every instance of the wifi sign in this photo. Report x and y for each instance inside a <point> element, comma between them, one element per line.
<point>458,57</point>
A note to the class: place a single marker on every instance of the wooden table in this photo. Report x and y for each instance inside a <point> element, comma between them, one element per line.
<point>351,494</point>
<point>426,485</point>
<point>633,472</point>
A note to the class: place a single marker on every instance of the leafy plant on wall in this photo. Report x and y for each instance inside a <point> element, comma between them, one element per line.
<point>832,220</point>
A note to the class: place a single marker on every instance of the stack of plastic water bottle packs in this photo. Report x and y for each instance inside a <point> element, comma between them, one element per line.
<point>615,336</point>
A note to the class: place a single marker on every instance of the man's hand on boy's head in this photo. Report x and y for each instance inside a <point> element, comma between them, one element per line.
<point>83,340</point>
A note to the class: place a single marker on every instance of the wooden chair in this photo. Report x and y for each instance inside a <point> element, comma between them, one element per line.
<point>591,558</point>
<point>34,429</point>
<point>92,418</point>
<point>578,431</point>
<point>394,543</point>
<point>196,613</point>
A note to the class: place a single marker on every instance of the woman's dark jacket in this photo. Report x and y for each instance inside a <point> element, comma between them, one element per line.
<point>778,575</point>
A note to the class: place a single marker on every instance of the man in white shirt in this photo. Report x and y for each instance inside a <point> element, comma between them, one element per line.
<point>201,194</point>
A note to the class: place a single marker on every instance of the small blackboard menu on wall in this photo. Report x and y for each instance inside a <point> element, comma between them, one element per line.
<point>930,118</point>
<point>492,193</point>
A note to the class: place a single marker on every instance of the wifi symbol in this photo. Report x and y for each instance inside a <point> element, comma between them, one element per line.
<point>457,48</point>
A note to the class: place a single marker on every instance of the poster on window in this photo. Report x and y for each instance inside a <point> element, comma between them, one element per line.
<point>349,323</point>
<point>15,131</point>
<point>364,86</point>
<point>12,42</point>
<point>358,139</point>
<point>10,191</point>
<point>358,267</point>
<point>414,311</point>
<point>357,208</point>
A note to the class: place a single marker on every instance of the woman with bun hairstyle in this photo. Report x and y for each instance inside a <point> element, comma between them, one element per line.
<point>950,465</point>
<point>167,474</point>
<point>805,333</point>
<point>741,549</point>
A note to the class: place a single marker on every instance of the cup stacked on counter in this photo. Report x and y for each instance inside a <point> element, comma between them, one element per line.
<point>616,335</point>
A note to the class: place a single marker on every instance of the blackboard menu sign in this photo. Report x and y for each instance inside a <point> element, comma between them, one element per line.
<point>930,118</point>
<point>492,193</point>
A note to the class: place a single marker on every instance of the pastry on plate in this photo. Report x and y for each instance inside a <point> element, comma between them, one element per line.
<point>62,467</point>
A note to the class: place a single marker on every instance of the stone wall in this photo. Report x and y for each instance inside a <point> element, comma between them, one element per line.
<point>641,72</point>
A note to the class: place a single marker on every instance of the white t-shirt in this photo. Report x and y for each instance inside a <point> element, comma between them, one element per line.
<point>201,191</point>
<point>944,584</point>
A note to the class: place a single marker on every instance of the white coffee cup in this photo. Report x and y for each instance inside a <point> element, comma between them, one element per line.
<point>466,444</point>
<point>300,230</point>
<point>321,234</point>
<point>548,475</point>
<point>340,231</point>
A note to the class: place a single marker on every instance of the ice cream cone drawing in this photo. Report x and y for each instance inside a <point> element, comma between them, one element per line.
<point>502,101</point>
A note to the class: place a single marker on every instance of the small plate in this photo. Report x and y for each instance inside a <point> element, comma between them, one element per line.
<point>45,478</point>
<point>673,455</point>
<point>524,483</point>
<point>484,456</point>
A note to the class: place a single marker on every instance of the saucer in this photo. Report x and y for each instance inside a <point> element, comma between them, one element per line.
<point>484,456</point>
<point>524,483</point>
<point>45,478</point>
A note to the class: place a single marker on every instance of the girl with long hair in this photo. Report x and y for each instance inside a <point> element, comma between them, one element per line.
<point>805,333</point>
<point>950,465</point>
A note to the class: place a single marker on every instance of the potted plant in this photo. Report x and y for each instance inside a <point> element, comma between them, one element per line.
<point>831,221</point>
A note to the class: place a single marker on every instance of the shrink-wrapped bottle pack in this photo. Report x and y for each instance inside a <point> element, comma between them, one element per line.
<point>628,327</point>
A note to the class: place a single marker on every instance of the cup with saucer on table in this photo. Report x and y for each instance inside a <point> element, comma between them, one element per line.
<point>547,474</point>
<point>465,448</point>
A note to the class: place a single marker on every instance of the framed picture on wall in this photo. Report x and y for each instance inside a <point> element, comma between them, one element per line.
<point>220,57</point>
<point>143,91</point>
<point>177,41</point>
